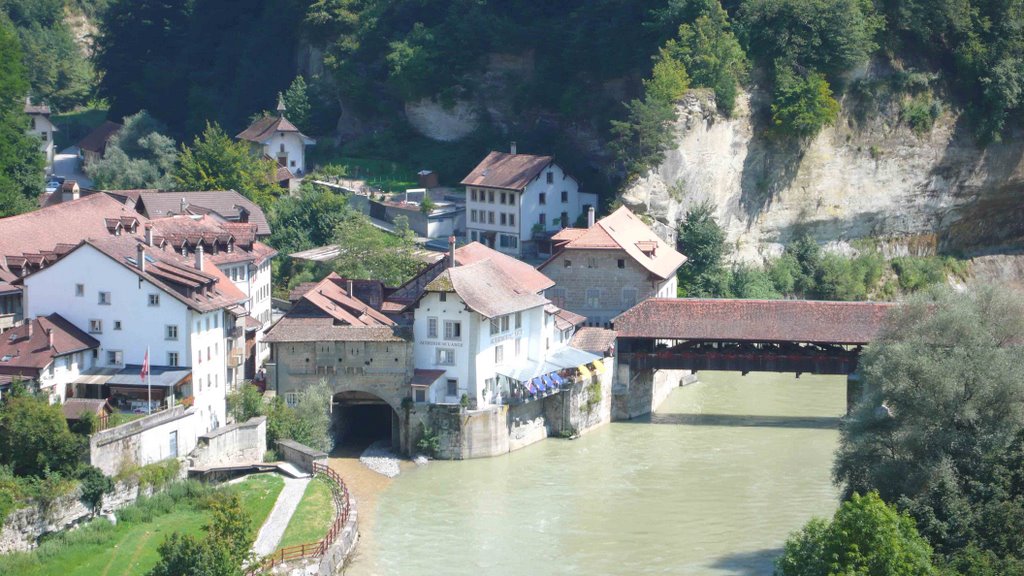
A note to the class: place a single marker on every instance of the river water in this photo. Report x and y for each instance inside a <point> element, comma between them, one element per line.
<point>711,484</point>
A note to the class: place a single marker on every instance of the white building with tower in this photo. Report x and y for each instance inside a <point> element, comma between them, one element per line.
<point>41,127</point>
<point>279,139</point>
<point>516,202</point>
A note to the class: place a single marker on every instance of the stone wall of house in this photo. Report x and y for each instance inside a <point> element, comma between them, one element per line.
<point>587,405</point>
<point>238,443</point>
<point>619,288</point>
<point>145,440</point>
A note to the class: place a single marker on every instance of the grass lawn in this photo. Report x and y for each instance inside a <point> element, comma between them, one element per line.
<point>313,517</point>
<point>129,549</point>
<point>74,126</point>
<point>384,174</point>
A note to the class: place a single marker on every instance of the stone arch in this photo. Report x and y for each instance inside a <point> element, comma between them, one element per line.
<point>361,417</point>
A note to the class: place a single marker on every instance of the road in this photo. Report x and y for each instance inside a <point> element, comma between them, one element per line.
<point>67,165</point>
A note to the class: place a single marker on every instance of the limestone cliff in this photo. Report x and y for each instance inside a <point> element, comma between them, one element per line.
<point>869,175</point>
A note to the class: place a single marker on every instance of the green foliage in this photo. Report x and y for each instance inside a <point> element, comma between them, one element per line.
<point>949,445</point>
<point>245,403</point>
<point>370,253</point>
<point>429,442</point>
<point>308,423</point>
<point>712,55</point>
<point>802,105</point>
<point>215,161</point>
<point>94,485</point>
<point>668,81</point>
<point>21,163</point>
<point>826,36</point>
<point>640,141</point>
<point>703,241</point>
<point>917,272</point>
<point>865,537</point>
<point>35,440</point>
<point>427,206</point>
<point>159,474</point>
<point>921,112</point>
<point>138,156</point>
<point>593,394</point>
<point>220,553</point>
<point>296,101</point>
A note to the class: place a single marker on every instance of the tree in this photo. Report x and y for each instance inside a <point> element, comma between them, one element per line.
<point>368,252</point>
<point>668,81</point>
<point>138,156</point>
<point>245,403</point>
<point>802,105</point>
<point>296,100</point>
<point>702,240</point>
<point>312,424</point>
<point>640,141</point>
<point>221,553</point>
<point>947,367</point>
<point>21,162</point>
<point>34,438</point>
<point>865,537</point>
<point>712,55</point>
<point>216,162</point>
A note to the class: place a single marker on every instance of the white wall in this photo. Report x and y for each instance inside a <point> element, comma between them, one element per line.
<point>294,148</point>
<point>255,283</point>
<point>64,370</point>
<point>425,348</point>
<point>43,126</point>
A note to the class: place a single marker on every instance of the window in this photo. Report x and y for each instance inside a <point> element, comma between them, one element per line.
<point>199,326</point>
<point>504,219</point>
<point>79,289</point>
<point>621,263</point>
<point>551,177</point>
<point>452,387</point>
<point>171,332</point>
<point>291,399</point>
<point>452,330</point>
<point>628,297</point>
<point>503,197</point>
<point>473,236</point>
<point>568,263</point>
<point>542,220</point>
<point>511,219</point>
<point>117,324</point>
<point>504,323</point>
<point>421,395</point>
<point>499,354</point>
<point>472,215</point>
<point>96,326</point>
<point>431,327</point>
<point>472,194</point>
<point>216,321</point>
<point>565,219</point>
<point>105,298</point>
<point>495,326</point>
<point>593,297</point>
<point>115,357</point>
<point>443,296</point>
<point>446,356</point>
<point>508,241</point>
<point>172,358</point>
<point>512,198</point>
<point>43,134</point>
<point>543,198</point>
<point>490,217</point>
<point>490,196</point>
<point>565,196</point>
<point>154,299</point>
<point>558,297</point>
<point>207,325</point>
<point>519,320</point>
<point>207,353</point>
<point>591,262</point>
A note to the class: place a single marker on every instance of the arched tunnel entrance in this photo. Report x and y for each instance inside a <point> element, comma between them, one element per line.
<point>362,418</point>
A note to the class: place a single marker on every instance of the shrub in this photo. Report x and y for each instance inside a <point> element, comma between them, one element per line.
<point>802,105</point>
<point>921,112</point>
<point>429,442</point>
<point>159,474</point>
<point>94,485</point>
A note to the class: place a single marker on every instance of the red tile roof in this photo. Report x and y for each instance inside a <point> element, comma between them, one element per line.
<point>507,171</point>
<point>526,275</point>
<point>754,320</point>
<point>226,203</point>
<point>96,141</point>
<point>486,289</point>
<point>327,312</point>
<point>594,340</point>
<point>622,230</point>
<point>21,353</point>
<point>31,108</point>
<point>264,128</point>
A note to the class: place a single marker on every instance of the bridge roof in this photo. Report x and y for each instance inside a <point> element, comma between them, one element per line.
<point>753,320</point>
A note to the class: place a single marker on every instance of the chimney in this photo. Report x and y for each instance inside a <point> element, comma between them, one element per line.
<point>149,234</point>
<point>350,287</point>
<point>69,191</point>
<point>199,256</point>
<point>30,323</point>
<point>140,256</point>
<point>451,251</point>
<point>243,215</point>
<point>184,205</point>
<point>590,216</point>
<point>49,337</point>
<point>513,147</point>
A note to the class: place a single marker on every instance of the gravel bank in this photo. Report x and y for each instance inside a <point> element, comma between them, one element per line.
<point>379,458</point>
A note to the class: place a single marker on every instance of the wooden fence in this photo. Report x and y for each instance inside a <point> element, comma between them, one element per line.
<point>339,492</point>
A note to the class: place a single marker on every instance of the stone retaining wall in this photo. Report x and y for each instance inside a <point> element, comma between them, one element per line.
<point>300,455</point>
<point>238,443</point>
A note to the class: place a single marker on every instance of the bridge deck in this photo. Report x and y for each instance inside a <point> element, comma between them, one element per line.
<point>727,320</point>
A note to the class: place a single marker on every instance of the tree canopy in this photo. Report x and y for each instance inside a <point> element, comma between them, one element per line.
<point>215,161</point>
<point>21,162</point>
<point>138,156</point>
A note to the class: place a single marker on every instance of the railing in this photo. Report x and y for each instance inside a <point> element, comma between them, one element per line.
<point>339,493</point>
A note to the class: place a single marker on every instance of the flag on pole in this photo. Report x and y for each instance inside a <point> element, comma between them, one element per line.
<point>145,366</point>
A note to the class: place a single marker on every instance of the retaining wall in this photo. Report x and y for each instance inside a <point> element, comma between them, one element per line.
<point>238,443</point>
<point>145,440</point>
<point>300,455</point>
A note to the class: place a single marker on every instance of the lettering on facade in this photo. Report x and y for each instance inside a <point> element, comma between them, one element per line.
<point>508,336</point>
<point>445,343</point>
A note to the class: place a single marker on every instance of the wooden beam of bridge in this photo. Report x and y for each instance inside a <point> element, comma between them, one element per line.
<point>729,320</point>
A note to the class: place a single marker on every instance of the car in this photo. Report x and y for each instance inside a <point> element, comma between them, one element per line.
<point>52,186</point>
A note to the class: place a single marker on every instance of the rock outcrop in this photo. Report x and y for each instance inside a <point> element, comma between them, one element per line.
<point>868,176</point>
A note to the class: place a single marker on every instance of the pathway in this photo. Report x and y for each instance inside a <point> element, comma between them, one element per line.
<point>67,165</point>
<point>273,529</point>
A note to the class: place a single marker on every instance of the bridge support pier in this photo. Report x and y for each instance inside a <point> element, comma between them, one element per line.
<point>855,391</point>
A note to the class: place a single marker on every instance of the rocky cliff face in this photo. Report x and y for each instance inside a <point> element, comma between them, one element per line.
<point>869,176</point>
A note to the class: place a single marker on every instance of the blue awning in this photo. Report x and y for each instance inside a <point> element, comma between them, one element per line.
<point>541,385</point>
<point>557,379</point>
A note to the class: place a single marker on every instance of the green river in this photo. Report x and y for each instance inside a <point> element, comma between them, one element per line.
<point>711,484</point>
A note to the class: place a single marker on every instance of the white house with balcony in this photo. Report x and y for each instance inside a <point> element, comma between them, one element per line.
<point>133,297</point>
<point>48,353</point>
<point>481,332</point>
<point>516,202</point>
<point>41,127</point>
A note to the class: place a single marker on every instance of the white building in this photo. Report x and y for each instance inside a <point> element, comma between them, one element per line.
<point>48,352</point>
<point>484,331</point>
<point>41,127</point>
<point>133,297</point>
<point>514,200</point>
<point>280,140</point>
